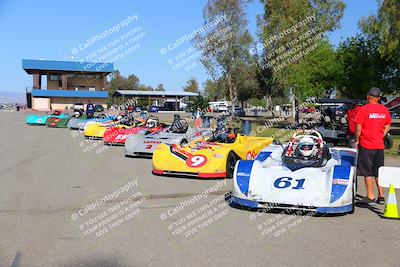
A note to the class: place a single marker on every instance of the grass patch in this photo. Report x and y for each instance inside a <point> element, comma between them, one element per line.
<point>393,152</point>
<point>283,135</point>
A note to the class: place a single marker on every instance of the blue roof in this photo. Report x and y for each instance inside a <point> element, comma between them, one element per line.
<point>69,93</point>
<point>75,66</point>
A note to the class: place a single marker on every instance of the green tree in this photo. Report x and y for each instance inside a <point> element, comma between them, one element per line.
<point>215,89</point>
<point>144,87</point>
<point>247,83</point>
<point>200,102</point>
<point>286,25</point>
<point>225,46</point>
<point>160,87</point>
<point>317,73</point>
<point>119,82</point>
<point>385,26</point>
<point>191,86</point>
<point>362,67</point>
<point>132,82</point>
<point>384,30</point>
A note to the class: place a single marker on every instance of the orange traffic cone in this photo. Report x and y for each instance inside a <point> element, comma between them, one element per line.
<point>391,211</point>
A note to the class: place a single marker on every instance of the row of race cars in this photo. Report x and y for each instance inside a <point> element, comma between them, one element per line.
<point>302,174</point>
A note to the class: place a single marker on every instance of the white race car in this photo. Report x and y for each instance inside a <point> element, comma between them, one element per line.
<point>142,145</point>
<point>283,177</point>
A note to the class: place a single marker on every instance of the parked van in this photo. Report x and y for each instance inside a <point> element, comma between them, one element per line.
<point>220,106</point>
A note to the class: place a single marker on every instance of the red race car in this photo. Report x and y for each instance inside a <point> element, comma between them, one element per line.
<point>118,134</point>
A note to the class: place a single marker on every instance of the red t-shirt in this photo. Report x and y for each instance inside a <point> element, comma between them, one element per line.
<point>372,118</point>
<point>350,118</point>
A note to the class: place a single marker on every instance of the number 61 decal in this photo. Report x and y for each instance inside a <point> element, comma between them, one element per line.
<point>285,182</point>
<point>196,161</point>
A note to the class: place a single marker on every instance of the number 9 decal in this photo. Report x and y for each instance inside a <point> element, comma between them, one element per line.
<point>196,161</point>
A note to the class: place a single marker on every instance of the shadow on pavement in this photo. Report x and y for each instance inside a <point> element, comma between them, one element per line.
<point>17,260</point>
<point>375,208</point>
<point>97,263</point>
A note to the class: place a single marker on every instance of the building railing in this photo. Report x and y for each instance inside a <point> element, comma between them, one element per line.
<point>70,88</point>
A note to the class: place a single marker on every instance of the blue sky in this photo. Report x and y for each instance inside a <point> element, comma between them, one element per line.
<point>52,29</point>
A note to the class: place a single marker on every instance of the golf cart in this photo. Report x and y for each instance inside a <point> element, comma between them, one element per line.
<point>334,126</point>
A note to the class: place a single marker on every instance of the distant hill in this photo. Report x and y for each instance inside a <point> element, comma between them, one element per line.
<point>12,97</point>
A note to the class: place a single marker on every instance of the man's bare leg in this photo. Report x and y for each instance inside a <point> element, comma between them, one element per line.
<point>369,183</point>
<point>380,189</point>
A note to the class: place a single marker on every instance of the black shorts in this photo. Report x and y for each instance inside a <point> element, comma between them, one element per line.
<point>369,161</point>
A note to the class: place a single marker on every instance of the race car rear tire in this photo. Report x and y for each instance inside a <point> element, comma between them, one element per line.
<point>230,164</point>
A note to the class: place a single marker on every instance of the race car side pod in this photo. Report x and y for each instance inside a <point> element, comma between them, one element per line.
<point>199,175</point>
<point>391,211</point>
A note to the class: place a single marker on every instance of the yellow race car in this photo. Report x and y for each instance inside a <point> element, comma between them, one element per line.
<point>96,130</point>
<point>212,158</point>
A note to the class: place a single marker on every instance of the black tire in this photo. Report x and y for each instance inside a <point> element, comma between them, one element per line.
<point>230,164</point>
<point>388,141</point>
<point>183,142</point>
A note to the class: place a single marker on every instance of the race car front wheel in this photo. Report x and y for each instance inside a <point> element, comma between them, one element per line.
<point>230,164</point>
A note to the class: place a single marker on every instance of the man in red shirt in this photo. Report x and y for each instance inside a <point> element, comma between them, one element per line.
<point>372,124</point>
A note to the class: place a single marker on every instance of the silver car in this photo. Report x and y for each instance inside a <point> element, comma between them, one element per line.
<point>142,145</point>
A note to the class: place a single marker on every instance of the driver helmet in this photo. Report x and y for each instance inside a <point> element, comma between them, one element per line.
<point>231,136</point>
<point>77,114</point>
<point>119,117</point>
<point>306,146</point>
<point>231,133</point>
<point>151,123</point>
